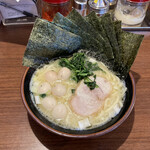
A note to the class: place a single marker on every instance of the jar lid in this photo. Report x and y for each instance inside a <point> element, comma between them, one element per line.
<point>56,1</point>
<point>138,1</point>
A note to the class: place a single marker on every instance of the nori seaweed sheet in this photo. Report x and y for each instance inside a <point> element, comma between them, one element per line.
<point>93,19</point>
<point>34,61</point>
<point>98,56</point>
<point>109,28</point>
<point>77,19</point>
<point>87,43</point>
<point>118,30</point>
<point>130,44</point>
<point>48,40</point>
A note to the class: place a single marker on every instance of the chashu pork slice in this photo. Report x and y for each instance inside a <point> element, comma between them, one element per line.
<point>86,101</point>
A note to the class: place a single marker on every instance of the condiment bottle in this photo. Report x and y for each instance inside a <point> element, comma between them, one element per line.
<point>51,7</point>
<point>99,6</point>
<point>131,12</point>
<point>81,6</point>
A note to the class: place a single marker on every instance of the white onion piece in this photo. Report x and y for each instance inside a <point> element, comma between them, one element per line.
<point>59,90</point>
<point>64,73</point>
<point>49,102</point>
<point>84,123</point>
<point>44,88</point>
<point>37,100</point>
<point>59,111</point>
<point>51,76</point>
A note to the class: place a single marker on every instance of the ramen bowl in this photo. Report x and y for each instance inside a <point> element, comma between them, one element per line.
<point>94,132</point>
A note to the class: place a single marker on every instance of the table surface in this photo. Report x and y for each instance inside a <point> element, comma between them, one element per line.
<point>18,131</point>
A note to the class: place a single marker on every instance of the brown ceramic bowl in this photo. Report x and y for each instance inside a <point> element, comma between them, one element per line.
<point>98,131</point>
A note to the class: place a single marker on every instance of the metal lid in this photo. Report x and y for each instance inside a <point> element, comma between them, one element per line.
<point>99,5</point>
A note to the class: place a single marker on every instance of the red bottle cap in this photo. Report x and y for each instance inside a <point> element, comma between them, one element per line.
<point>138,1</point>
<point>56,1</point>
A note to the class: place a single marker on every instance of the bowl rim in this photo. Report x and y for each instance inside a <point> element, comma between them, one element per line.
<point>100,133</point>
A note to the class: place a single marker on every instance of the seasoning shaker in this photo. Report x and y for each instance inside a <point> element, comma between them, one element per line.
<point>131,12</point>
<point>81,6</point>
<point>99,6</point>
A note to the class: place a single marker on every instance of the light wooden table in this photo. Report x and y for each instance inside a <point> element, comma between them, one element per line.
<point>19,132</point>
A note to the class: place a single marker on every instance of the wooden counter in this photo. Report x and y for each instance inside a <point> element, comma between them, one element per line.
<point>18,131</point>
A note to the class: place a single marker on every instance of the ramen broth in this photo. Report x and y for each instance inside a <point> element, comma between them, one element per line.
<point>56,95</point>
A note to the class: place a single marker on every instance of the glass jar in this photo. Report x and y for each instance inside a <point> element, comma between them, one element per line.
<point>131,12</point>
<point>51,7</point>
